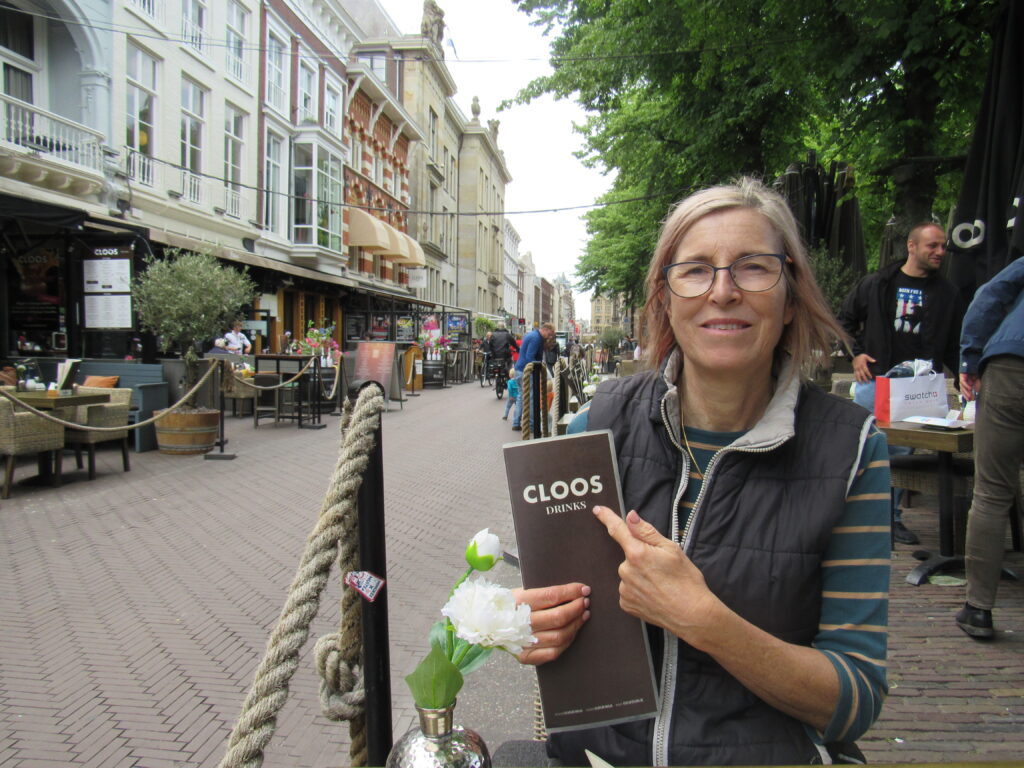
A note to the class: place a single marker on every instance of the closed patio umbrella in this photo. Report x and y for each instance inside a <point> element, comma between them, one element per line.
<point>987,230</point>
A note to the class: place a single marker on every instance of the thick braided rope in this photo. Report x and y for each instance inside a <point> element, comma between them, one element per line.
<point>556,404</point>
<point>334,529</point>
<point>526,387</point>
<point>281,384</point>
<point>83,428</point>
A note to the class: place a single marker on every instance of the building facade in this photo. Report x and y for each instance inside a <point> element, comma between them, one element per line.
<point>304,140</point>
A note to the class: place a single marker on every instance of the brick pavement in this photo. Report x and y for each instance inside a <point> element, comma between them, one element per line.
<point>136,607</point>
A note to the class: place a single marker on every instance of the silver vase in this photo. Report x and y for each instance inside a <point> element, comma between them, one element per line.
<point>437,743</point>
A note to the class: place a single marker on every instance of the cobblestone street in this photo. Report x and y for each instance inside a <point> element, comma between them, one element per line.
<point>136,607</point>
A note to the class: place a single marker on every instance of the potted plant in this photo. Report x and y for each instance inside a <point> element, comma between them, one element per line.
<point>184,299</point>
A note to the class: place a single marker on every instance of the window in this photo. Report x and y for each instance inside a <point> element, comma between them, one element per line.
<point>307,92</point>
<point>377,64</point>
<point>17,34</point>
<point>234,141</point>
<point>238,20</point>
<point>276,94</point>
<point>432,207</point>
<point>329,196</point>
<point>193,111</point>
<point>378,170</point>
<point>275,198</point>
<point>433,134</point>
<point>332,111</point>
<point>302,194</point>
<point>357,153</point>
<point>193,23</point>
<point>140,108</point>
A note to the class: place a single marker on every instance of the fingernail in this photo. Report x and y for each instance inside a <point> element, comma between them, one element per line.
<point>585,590</point>
<point>586,602</point>
<point>586,615</point>
<point>632,516</point>
<point>596,510</point>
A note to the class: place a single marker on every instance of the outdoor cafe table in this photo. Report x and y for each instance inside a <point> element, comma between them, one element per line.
<point>41,401</point>
<point>305,387</point>
<point>945,443</point>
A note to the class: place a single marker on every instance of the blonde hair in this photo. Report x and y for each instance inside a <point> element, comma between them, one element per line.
<point>813,330</point>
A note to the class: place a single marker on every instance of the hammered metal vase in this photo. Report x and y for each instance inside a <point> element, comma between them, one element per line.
<point>437,743</point>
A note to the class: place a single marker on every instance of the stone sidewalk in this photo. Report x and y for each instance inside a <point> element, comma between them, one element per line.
<point>135,608</point>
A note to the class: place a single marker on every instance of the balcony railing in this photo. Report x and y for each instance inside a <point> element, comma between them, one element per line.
<point>141,168</point>
<point>154,9</point>
<point>192,187</point>
<point>36,129</point>
<point>236,68</point>
<point>233,202</point>
<point>193,35</point>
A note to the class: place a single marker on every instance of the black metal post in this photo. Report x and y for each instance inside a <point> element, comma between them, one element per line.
<point>219,383</point>
<point>373,558</point>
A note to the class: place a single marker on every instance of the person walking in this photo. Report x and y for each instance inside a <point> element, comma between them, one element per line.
<point>992,350</point>
<point>530,351</point>
<point>904,311</point>
<point>512,388</point>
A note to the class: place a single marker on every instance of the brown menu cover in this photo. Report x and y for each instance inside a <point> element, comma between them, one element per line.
<point>606,675</point>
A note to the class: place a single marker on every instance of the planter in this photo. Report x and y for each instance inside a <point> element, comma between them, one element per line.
<point>187,432</point>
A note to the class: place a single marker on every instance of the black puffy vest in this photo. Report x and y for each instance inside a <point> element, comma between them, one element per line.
<point>758,538</point>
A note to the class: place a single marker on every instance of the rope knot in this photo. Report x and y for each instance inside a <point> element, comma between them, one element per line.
<point>341,685</point>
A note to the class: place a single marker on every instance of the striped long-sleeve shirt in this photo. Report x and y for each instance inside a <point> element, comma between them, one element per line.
<point>852,629</point>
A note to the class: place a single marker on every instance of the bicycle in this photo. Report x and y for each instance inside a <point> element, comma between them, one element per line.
<point>498,369</point>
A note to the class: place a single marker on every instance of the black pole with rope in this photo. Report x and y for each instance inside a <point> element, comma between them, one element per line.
<point>373,558</point>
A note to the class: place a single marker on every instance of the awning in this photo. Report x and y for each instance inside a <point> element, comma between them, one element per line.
<point>416,257</point>
<point>398,246</point>
<point>367,231</point>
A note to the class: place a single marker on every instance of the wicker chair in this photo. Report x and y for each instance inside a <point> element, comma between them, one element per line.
<point>24,433</point>
<point>112,414</point>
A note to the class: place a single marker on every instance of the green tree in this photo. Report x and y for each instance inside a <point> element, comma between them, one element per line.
<point>187,298</point>
<point>685,93</point>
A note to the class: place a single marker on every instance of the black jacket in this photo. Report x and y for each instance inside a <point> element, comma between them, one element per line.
<point>774,496</point>
<point>866,317</point>
<point>501,343</point>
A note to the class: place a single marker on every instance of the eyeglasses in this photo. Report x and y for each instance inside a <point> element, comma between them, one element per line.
<point>753,274</point>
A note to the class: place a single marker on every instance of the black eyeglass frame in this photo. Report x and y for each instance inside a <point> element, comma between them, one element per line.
<point>715,270</point>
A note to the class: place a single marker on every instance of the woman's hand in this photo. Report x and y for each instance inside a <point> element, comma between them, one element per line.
<point>556,615</point>
<point>659,583</point>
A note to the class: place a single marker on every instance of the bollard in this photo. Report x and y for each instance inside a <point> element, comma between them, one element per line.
<point>373,558</point>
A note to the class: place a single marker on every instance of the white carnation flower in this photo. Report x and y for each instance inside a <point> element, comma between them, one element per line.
<point>485,613</point>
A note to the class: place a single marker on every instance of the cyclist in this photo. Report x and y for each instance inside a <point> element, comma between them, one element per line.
<point>500,347</point>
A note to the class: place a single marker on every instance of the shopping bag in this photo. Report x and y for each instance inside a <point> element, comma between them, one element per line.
<point>898,398</point>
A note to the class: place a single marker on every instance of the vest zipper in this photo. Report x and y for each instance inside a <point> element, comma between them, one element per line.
<point>663,720</point>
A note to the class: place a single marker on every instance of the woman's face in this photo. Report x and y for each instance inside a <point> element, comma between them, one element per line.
<point>728,330</point>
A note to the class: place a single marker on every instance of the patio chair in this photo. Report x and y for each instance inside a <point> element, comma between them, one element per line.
<point>112,414</point>
<point>24,433</point>
<point>266,402</point>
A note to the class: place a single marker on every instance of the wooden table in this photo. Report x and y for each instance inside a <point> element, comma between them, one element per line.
<point>43,402</point>
<point>305,385</point>
<point>945,443</point>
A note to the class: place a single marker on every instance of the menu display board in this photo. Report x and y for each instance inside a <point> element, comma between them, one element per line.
<point>108,311</point>
<point>405,328</point>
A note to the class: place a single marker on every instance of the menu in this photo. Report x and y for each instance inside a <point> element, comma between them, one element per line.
<point>606,676</point>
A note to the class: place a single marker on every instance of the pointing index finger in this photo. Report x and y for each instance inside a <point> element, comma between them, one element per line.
<point>614,524</point>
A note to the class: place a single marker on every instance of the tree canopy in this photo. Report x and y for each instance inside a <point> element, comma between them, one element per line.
<point>686,93</point>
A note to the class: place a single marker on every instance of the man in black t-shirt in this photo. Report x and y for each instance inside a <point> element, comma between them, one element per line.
<point>905,311</point>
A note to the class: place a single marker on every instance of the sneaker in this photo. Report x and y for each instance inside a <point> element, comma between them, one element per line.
<point>505,417</point>
<point>903,535</point>
<point>976,622</point>
<point>516,428</point>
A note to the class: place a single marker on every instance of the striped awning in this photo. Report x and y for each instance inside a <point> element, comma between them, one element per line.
<point>415,257</point>
<point>367,231</point>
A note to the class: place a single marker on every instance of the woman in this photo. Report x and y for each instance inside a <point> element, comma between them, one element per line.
<point>757,551</point>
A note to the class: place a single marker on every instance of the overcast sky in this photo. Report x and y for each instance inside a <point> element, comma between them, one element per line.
<point>497,52</point>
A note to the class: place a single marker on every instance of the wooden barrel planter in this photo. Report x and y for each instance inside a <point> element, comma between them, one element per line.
<point>186,433</point>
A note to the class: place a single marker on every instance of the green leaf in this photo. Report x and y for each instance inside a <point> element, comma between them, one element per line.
<point>435,682</point>
<point>474,658</point>
<point>439,638</point>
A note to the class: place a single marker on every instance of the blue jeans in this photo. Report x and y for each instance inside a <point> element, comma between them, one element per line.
<point>517,417</point>
<point>509,403</point>
<point>864,395</point>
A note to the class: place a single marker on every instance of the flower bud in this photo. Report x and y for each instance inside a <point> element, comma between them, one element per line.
<point>484,550</point>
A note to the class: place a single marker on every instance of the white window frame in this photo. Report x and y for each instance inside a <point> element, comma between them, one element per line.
<point>142,82</point>
<point>308,91</point>
<point>330,180</point>
<point>273,183</point>
<point>277,80</point>
<point>194,99</point>
<point>235,54</point>
<point>235,121</point>
<point>356,161</point>
<point>302,220</point>
<point>194,18</point>
<point>334,100</point>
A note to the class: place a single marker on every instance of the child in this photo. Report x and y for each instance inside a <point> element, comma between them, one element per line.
<point>512,388</point>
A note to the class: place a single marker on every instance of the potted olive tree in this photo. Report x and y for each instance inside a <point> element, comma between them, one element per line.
<point>184,299</point>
